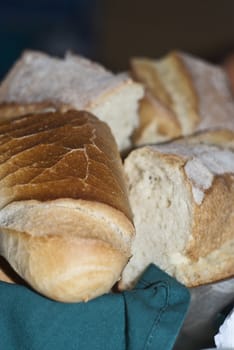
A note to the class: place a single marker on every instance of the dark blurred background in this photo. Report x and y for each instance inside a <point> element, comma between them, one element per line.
<point>113,31</point>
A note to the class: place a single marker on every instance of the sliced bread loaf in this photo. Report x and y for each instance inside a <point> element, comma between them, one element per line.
<point>182,197</point>
<point>183,95</point>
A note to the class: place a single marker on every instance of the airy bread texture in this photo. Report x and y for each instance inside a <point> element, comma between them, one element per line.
<point>65,221</point>
<point>182,201</point>
<point>39,82</point>
<point>183,94</point>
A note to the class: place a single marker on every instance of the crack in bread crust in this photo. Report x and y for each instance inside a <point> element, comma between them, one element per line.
<point>74,156</point>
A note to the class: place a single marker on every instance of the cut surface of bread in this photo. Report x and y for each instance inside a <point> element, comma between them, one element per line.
<point>193,93</point>
<point>39,82</point>
<point>182,201</point>
<point>65,220</point>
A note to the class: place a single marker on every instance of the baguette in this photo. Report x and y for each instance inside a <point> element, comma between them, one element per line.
<point>65,221</point>
<point>38,82</point>
<point>183,95</point>
<point>182,200</point>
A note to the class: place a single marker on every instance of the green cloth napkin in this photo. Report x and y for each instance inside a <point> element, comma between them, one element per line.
<point>148,317</point>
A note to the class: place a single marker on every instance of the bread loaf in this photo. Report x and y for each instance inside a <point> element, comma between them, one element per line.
<point>182,201</point>
<point>183,95</point>
<point>65,221</point>
<point>38,82</point>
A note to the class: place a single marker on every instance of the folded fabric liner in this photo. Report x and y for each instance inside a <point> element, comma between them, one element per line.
<point>148,317</point>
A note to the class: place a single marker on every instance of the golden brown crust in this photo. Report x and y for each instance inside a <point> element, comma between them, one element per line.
<point>65,220</point>
<point>80,218</point>
<point>188,85</point>
<point>207,235</point>
<point>170,107</point>
<point>11,110</point>
<point>38,82</point>
<point>182,200</point>
<point>144,70</point>
<point>210,247</point>
<point>216,266</point>
<point>209,251</point>
<point>196,93</point>
<point>155,109</point>
<point>213,221</point>
<point>40,155</point>
<point>65,268</point>
<point>223,273</point>
<point>167,125</point>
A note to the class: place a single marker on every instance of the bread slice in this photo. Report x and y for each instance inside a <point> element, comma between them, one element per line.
<point>65,220</point>
<point>194,94</point>
<point>182,201</point>
<point>39,82</point>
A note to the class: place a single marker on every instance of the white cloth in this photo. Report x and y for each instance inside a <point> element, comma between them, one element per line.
<point>225,337</point>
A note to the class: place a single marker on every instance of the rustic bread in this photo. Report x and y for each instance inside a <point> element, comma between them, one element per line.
<point>182,201</point>
<point>183,95</point>
<point>65,221</point>
<point>38,82</point>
